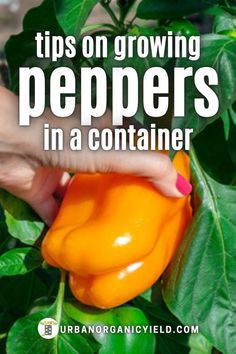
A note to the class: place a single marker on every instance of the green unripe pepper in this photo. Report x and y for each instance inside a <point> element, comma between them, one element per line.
<point>122,343</point>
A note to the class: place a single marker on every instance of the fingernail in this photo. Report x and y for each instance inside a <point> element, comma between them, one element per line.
<point>183,186</point>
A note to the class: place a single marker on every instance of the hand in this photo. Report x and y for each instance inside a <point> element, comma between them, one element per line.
<point>38,177</point>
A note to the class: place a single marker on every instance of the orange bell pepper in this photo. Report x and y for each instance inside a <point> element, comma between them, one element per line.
<point>116,234</point>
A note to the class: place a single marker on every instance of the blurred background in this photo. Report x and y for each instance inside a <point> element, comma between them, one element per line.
<point>13,11</point>
<point>11,14</point>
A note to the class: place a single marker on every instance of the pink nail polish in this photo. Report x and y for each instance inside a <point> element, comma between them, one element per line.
<point>183,186</point>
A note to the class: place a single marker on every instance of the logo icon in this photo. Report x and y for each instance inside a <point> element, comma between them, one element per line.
<point>48,328</point>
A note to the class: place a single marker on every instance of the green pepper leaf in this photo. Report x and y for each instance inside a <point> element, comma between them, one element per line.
<point>21,220</point>
<point>224,21</point>
<point>24,337</point>
<point>149,9</point>
<point>72,14</point>
<point>19,261</point>
<point>167,343</point>
<point>199,284</point>
<point>199,345</point>
<point>42,18</point>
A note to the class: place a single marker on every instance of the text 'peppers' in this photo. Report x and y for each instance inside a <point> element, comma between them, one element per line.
<point>116,234</point>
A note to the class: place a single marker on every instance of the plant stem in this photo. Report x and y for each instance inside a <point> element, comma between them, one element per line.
<point>226,3</point>
<point>60,296</point>
<point>57,307</point>
<point>111,14</point>
<point>131,21</point>
<point>97,26</point>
